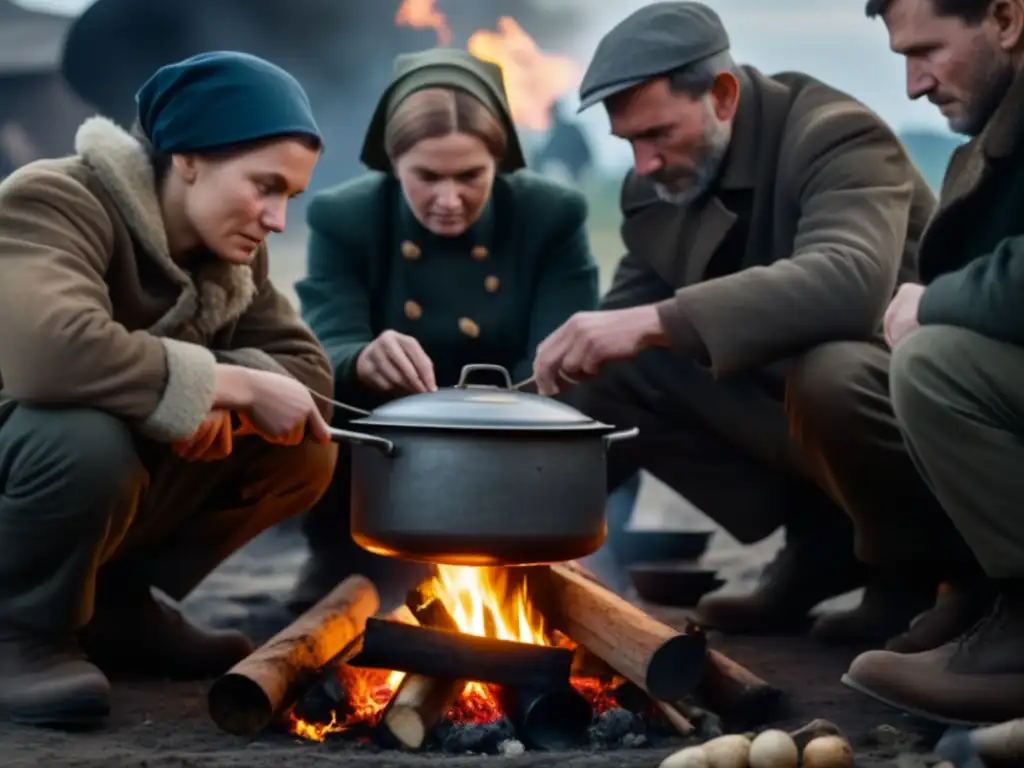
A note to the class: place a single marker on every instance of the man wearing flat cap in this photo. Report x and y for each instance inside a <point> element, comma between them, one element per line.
<point>767,220</point>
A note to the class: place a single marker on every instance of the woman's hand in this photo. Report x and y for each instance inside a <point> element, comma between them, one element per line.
<point>282,408</point>
<point>210,442</point>
<point>245,426</point>
<point>394,362</point>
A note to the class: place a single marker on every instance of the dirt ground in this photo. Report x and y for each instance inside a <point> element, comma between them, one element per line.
<point>165,725</point>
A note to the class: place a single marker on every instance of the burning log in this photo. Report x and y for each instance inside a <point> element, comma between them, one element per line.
<point>454,655</point>
<point>549,718</point>
<point>419,704</point>
<point>663,662</point>
<point>251,694</point>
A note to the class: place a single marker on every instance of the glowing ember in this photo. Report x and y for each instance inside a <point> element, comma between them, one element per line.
<point>485,602</point>
<point>534,80</point>
<point>421,14</point>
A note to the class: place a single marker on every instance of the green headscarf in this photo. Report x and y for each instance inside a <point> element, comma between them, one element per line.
<point>441,68</point>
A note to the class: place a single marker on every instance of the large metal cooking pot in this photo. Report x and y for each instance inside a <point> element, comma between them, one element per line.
<point>479,475</point>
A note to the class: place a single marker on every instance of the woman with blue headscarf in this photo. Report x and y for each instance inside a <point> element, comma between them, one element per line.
<point>156,409</point>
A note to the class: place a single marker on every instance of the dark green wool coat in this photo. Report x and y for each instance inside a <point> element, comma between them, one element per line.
<point>489,296</point>
<point>972,254</point>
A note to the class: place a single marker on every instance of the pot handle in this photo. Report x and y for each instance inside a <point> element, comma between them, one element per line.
<point>624,434</point>
<point>345,436</point>
<point>468,369</point>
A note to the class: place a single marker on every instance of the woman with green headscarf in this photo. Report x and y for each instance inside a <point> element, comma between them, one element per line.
<point>156,409</point>
<point>447,253</point>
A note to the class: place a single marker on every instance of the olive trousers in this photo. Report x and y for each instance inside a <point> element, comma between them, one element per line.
<point>959,397</point>
<point>91,511</point>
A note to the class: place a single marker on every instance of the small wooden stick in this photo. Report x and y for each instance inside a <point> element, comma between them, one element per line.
<point>675,718</point>
<point>419,704</point>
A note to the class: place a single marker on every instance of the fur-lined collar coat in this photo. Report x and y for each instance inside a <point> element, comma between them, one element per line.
<point>94,313</point>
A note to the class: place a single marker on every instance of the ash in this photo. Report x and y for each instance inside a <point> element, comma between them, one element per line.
<point>613,729</point>
<point>474,738</point>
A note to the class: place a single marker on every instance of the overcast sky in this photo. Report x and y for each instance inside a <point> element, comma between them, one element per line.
<point>831,39</point>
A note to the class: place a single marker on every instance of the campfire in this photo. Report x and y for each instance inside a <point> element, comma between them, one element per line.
<point>489,660</point>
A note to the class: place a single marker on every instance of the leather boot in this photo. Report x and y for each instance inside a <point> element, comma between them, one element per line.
<point>954,613</point>
<point>804,573</point>
<point>146,636</point>
<point>46,680</point>
<point>975,680</point>
<point>888,607</point>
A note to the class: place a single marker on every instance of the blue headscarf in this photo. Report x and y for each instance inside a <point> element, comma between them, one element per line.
<point>222,98</point>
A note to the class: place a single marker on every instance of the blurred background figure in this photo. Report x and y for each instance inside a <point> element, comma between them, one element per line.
<point>566,155</point>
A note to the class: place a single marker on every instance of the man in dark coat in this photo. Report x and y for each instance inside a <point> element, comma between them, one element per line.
<point>958,360</point>
<point>767,223</point>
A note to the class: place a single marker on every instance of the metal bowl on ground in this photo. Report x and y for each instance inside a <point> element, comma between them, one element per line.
<point>479,475</point>
<point>674,584</point>
<point>635,546</point>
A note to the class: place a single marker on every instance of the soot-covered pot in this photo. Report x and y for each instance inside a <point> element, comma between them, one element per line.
<point>479,475</point>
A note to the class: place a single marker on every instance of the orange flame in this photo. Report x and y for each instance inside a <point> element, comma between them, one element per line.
<point>481,601</point>
<point>421,14</point>
<point>534,80</point>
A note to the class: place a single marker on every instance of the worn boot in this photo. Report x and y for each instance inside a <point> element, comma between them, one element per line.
<point>804,573</point>
<point>978,679</point>
<point>146,636</point>
<point>47,680</point>
<point>888,607</point>
<point>952,616</point>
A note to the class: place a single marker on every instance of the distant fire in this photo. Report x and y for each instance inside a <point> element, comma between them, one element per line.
<point>421,14</point>
<point>482,602</point>
<point>534,80</point>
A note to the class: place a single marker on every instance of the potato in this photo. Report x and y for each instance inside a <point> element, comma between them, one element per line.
<point>774,749</point>
<point>691,757</point>
<point>828,752</point>
<point>728,752</point>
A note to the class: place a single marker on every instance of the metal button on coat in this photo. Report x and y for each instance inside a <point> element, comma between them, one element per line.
<point>479,253</point>
<point>413,310</point>
<point>491,284</point>
<point>411,251</point>
<point>468,327</point>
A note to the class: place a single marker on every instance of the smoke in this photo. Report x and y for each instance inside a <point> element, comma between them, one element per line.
<point>340,50</point>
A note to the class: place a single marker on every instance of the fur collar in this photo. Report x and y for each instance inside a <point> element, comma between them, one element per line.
<point>221,292</point>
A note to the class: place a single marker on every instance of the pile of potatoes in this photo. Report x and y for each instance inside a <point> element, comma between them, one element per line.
<point>770,749</point>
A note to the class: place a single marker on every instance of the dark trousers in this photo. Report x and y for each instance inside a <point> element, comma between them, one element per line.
<point>90,512</point>
<point>960,399</point>
<point>723,445</point>
<point>796,446</point>
<point>841,417</point>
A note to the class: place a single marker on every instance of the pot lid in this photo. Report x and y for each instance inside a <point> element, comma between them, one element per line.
<point>469,406</point>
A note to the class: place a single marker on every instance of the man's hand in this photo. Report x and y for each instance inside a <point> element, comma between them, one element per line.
<point>210,442</point>
<point>901,316</point>
<point>588,340</point>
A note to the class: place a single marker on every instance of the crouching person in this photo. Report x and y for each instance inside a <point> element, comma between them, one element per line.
<point>156,411</point>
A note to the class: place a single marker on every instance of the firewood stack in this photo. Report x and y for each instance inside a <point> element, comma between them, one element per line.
<point>659,669</point>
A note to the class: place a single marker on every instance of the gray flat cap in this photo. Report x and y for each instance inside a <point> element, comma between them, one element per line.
<point>651,41</point>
